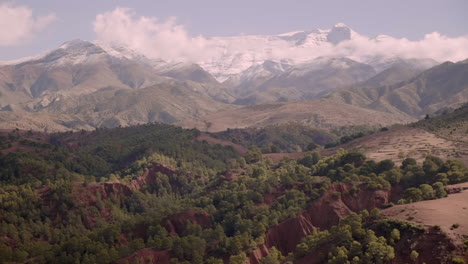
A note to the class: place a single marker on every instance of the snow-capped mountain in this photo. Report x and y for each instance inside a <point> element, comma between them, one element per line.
<point>271,82</point>
<point>85,84</point>
<point>79,52</point>
<point>253,69</point>
<point>229,57</point>
<point>236,54</point>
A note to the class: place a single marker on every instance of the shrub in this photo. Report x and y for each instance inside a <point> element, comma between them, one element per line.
<point>336,195</point>
<point>388,205</point>
<point>414,255</point>
<point>458,261</point>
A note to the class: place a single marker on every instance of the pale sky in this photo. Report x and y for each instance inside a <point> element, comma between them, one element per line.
<point>28,27</point>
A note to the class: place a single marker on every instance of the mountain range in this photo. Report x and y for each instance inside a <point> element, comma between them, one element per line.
<point>84,85</point>
<point>231,56</point>
<point>381,100</point>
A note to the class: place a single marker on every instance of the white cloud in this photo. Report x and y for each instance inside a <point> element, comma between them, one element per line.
<point>166,40</point>
<point>170,41</point>
<point>360,48</point>
<point>18,24</point>
<point>433,45</point>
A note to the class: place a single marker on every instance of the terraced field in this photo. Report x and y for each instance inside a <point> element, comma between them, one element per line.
<point>400,143</point>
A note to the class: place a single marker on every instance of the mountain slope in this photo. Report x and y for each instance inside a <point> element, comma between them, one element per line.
<point>197,79</point>
<point>320,113</point>
<point>443,136</point>
<point>300,82</point>
<point>167,102</point>
<point>82,85</point>
<point>445,85</point>
<point>398,71</point>
<point>75,68</point>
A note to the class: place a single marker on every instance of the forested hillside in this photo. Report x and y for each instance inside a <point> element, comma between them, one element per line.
<point>154,194</point>
<point>292,137</point>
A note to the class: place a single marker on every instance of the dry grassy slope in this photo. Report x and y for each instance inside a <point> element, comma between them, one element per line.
<point>199,81</point>
<point>443,212</point>
<point>23,82</point>
<point>452,125</point>
<point>80,85</point>
<point>403,142</point>
<point>42,122</point>
<point>318,113</point>
<point>167,102</point>
<point>442,86</point>
<point>401,70</point>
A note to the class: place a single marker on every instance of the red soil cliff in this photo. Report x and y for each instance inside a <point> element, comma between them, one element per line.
<point>339,201</point>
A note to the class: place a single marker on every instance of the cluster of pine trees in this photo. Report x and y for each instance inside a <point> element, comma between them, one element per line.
<point>73,199</point>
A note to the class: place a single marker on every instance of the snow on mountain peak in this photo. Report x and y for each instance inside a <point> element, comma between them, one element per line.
<point>226,57</point>
<point>236,54</point>
<point>337,25</point>
<point>79,51</point>
<point>75,44</point>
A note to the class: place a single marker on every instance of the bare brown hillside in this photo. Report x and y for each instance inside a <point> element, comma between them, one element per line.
<point>404,142</point>
<point>321,113</point>
<point>445,85</point>
<point>450,214</point>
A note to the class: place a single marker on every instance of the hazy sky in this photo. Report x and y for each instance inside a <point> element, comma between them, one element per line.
<point>30,26</point>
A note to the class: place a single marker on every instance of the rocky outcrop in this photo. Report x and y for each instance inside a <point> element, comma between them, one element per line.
<point>286,235</point>
<point>258,254</point>
<point>91,195</point>
<point>342,199</point>
<point>149,176</point>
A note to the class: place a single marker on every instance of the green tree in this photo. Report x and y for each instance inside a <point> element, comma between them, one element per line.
<point>379,252</point>
<point>408,162</point>
<point>412,194</point>
<point>238,259</point>
<point>339,256</point>
<point>427,191</point>
<point>354,158</point>
<point>274,257</point>
<point>385,165</point>
<point>439,190</point>
<point>253,155</point>
<point>309,159</point>
<point>414,255</point>
<point>394,236</point>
